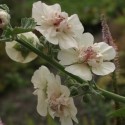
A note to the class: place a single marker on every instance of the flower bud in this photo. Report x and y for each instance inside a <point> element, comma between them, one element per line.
<point>74,91</point>
<point>87,98</point>
<point>4,18</point>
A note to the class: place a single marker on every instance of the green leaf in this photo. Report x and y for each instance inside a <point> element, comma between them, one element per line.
<point>117,113</point>
<point>27,25</point>
<point>4,7</point>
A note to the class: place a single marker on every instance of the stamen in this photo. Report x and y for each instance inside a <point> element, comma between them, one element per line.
<point>87,54</point>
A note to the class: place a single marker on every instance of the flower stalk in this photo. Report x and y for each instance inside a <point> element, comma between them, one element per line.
<point>55,64</point>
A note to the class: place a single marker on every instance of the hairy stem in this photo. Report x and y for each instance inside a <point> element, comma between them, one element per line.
<point>61,68</point>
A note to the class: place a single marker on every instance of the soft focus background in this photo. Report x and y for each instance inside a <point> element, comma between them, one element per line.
<point>18,104</point>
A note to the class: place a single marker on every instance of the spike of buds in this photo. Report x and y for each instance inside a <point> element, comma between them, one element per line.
<point>107,37</point>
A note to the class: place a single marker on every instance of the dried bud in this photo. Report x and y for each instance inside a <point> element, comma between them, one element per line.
<point>4,18</point>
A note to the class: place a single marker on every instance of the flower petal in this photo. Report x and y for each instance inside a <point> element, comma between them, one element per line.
<point>67,57</point>
<point>39,77</point>
<point>64,90</point>
<point>75,24</point>
<point>66,121</point>
<point>80,70</point>
<point>42,105</point>
<point>104,68</point>
<point>41,9</point>
<point>73,110</point>
<point>107,51</point>
<point>67,41</point>
<point>86,40</point>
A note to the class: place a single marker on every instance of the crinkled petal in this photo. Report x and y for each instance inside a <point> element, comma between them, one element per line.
<point>65,90</point>
<point>39,78</point>
<point>80,70</point>
<point>68,56</point>
<point>86,40</point>
<point>67,41</point>
<point>107,51</point>
<point>41,105</point>
<point>52,85</point>
<point>76,25</point>
<point>104,68</point>
<point>66,121</point>
<point>73,110</point>
<point>51,112</point>
<point>41,9</point>
<point>37,12</point>
<point>53,40</point>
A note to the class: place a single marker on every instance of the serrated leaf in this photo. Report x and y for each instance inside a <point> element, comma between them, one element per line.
<point>7,32</point>
<point>28,23</point>
<point>117,113</point>
<point>4,7</point>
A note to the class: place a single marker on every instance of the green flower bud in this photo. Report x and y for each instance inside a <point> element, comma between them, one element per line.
<point>74,91</point>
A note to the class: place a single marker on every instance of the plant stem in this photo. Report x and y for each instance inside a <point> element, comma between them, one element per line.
<point>50,61</point>
<point>111,95</point>
<point>61,68</point>
<point>5,40</point>
<point>117,105</point>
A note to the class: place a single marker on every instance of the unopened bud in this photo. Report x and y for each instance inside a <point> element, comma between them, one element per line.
<point>4,18</point>
<point>87,98</point>
<point>74,91</point>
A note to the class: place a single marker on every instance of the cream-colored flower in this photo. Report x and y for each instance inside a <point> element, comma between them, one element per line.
<point>18,52</point>
<point>53,97</point>
<point>4,18</point>
<point>56,26</point>
<point>88,57</point>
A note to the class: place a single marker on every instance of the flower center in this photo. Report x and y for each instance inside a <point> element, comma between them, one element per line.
<point>58,19</point>
<point>87,54</point>
<point>58,103</point>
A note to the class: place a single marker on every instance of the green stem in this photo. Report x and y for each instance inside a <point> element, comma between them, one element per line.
<point>50,61</point>
<point>61,68</point>
<point>5,40</point>
<point>113,96</point>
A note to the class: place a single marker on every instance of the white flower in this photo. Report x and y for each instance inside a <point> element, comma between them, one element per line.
<point>18,52</point>
<point>4,18</point>
<point>88,57</point>
<point>53,97</point>
<point>56,26</point>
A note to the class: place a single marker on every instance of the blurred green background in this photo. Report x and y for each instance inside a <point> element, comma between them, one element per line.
<point>18,104</point>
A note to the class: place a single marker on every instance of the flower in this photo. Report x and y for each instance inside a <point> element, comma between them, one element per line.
<point>53,97</point>
<point>88,57</point>
<point>18,52</point>
<point>4,18</point>
<point>56,26</point>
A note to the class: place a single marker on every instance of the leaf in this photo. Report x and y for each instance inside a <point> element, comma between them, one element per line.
<point>4,7</point>
<point>27,25</point>
<point>117,113</point>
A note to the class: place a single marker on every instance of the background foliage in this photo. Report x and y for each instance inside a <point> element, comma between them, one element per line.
<point>16,97</point>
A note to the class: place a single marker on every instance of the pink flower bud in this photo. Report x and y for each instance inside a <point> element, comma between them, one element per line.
<point>4,18</point>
